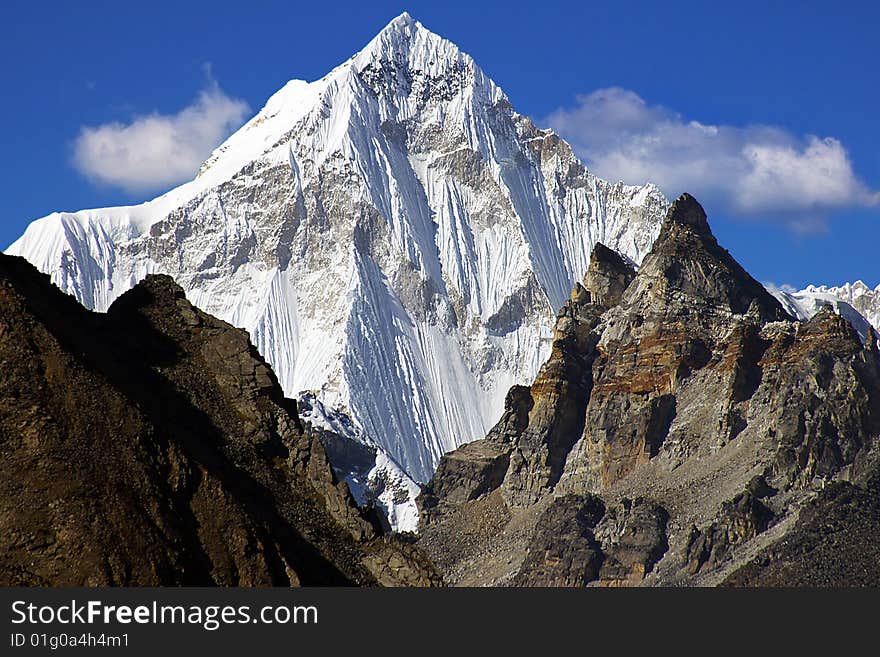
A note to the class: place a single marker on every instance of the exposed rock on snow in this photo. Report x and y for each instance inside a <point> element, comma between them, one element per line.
<point>856,302</point>
<point>152,445</point>
<point>702,414</point>
<point>372,476</point>
<point>394,236</point>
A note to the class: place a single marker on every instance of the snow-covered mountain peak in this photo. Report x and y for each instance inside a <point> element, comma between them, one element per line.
<point>854,290</point>
<point>395,237</point>
<point>393,40</point>
<point>408,45</point>
<point>857,302</point>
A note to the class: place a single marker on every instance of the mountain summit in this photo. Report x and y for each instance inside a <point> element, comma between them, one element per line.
<point>151,445</point>
<point>394,236</point>
<point>686,431</point>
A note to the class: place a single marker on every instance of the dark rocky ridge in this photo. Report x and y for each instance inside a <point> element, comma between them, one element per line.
<point>153,446</point>
<point>707,419</point>
<point>833,543</point>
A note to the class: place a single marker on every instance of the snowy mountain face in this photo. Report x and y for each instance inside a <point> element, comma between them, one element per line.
<point>855,302</point>
<point>372,476</point>
<point>394,236</point>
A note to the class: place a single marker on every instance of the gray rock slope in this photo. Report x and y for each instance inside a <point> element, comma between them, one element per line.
<point>684,430</point>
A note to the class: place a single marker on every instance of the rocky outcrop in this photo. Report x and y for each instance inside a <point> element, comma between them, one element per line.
<point>468,472</point>
<point>633,536</point>
<point>153,446</point>
<point>828,385</point>
<point>690,391</point>
<point>661,339</point>
<point>740,520</point>
<point>834,543</point>
<point>563,550</point>
<point>607,276</point>
<point>479,467</point>
<point>559,395</point>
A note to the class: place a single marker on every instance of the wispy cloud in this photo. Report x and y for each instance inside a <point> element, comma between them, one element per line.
<point>759,171</point>
<point>154,151</point>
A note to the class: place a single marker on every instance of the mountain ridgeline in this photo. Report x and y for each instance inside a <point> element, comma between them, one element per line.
<point>344,326</point>
<point>393,236</point>
<point>152,445</point>
<point>685,430</point>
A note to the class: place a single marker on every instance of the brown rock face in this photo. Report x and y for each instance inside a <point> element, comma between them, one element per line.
<point>607,276</point>
<point>834,543</point>
<point>559,394</point>
<point>563,550</point>
<point>662,337</point>
<point>740,520</point>
<point>153,446</point>
<point>692,391</point>
<point>633,536</point>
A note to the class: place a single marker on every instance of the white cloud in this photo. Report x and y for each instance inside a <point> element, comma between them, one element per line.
<point>760,171</point>
<point>158,150</point>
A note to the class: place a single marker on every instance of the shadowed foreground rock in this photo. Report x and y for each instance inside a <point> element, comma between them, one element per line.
<point>834,543</point>
<point>720,433</point>
<point>152,446</point>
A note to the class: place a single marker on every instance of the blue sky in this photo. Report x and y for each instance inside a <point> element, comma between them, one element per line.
<point>719,101</point>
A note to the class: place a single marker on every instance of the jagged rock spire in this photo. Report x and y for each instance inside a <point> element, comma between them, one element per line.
<point>686,265</point>
<point>607,276</point>
<point>687,211</point>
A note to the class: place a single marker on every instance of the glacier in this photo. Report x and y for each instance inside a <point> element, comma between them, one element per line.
<point>855,302</point>
<point>394,237</point>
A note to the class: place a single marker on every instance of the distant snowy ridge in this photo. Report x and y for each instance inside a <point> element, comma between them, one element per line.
<point>855,302</point>
<point>394,236</point>
<point>858,295</point>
